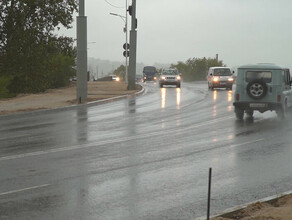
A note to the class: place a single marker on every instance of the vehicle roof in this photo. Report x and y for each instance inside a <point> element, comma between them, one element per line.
<point>262,66</point>
<point>169,69</point>
<point>219,67</point>
<point>149,67</point>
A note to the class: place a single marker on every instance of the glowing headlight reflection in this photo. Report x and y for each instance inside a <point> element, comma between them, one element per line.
<point>163,97</point>
<point>178,97</point>
<point>229,96</point>
<point>215,95</point>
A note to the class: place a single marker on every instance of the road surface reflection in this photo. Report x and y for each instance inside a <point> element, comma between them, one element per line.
<point>169,92</point>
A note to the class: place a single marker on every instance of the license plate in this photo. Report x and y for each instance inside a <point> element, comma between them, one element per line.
<point>257,105</point>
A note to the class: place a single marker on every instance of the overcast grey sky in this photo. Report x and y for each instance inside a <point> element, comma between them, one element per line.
<point>240,31</point>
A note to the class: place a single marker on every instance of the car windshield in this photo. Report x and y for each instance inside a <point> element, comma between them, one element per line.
<point>262,75</point>
<point>169,72</point>
<point>222,72</point>
<point>149,69</point>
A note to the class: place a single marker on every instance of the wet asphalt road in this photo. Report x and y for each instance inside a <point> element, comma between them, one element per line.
<point>141,158</point>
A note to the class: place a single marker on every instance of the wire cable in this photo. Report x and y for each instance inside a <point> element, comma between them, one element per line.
<point>112,4</point>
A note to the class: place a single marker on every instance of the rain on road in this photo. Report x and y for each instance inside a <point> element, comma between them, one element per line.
<point>141,158</point>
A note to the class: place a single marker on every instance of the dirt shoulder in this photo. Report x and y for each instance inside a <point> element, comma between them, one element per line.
<point>276,209</point>
<point>62,97</point>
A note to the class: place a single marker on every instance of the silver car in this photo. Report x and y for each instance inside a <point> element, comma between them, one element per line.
<point>170,77</point>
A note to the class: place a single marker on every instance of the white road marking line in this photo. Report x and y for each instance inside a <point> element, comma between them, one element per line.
<point>24,189</point>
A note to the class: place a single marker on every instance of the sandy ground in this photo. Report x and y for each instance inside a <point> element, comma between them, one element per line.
<point>279,209</point>
<point>55,98</point>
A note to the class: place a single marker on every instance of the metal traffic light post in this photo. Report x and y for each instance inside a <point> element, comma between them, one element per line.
<point>81,54</point>
<point>133,48</point>
<point>126,45</point>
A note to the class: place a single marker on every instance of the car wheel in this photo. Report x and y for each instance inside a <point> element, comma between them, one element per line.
<point>178,85</point>
<point>161,85</point>
<point>282,111</point>
<point>239,113</point>
<point>249,113</point>
<point>257,89</point>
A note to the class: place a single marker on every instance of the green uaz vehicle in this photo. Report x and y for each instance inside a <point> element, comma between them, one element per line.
<point>262,87</point>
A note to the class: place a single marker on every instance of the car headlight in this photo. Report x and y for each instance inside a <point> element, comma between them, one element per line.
<point>118,79</point>
<point>154,77</point>
<point>230,79</point>
<point>163,77</point>
<point>178,77</point>
<point>215,79</point>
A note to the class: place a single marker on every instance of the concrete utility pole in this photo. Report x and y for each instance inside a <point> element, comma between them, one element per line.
<point>133,48</point>
<point>81,54</point>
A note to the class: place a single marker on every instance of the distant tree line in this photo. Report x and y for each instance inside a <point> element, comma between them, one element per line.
<point>196,68</point>
<point>32,57</point>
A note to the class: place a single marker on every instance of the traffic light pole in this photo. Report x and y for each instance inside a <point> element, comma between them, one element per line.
<point>133,48</point>
<point>126,29</point>
<point>81,54</point>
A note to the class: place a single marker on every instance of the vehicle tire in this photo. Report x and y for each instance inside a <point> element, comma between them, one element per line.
<point>257,89</point>
<point>178,85</point>
<point>239,113</point>
<point>161,85</point>
<point>249,113</point>
<point>229,88</point>
<point>282,112</point>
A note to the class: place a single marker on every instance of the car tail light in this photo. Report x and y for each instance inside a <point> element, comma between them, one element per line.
<point>237,97</point>
<point>279,98</point>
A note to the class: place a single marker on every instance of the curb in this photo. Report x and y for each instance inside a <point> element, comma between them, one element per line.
<point>88,104</point>
<point>237,208</point>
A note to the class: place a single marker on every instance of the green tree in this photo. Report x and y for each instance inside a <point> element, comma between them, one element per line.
<point>30,53</point>
<point>196,68</point>
<point>121,72</point>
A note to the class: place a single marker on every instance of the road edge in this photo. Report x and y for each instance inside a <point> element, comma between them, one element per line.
<point>239,207</point>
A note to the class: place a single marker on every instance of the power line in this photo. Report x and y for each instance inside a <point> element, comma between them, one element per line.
<point>112,4</point>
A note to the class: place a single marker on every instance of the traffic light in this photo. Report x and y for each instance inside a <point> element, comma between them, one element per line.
<point>130,10</point>
<point>126,47</point>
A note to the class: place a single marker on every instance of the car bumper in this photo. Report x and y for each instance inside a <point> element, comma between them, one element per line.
<point>165,82</point>
<point>223,84</point>
<point>260,106</point>
<point>149,78</point>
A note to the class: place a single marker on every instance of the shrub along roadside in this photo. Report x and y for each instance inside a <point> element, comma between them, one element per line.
<point>4,92</point>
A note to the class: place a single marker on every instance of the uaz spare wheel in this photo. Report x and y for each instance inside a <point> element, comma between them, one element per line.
<point>257,89</point>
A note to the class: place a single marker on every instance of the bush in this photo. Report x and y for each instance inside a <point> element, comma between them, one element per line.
<point>4,92</point>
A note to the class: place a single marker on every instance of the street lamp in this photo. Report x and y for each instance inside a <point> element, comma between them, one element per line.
<point>125,19</point>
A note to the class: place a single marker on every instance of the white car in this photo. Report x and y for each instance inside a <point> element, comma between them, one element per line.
<point>115,78</point>
<point>170,77</point>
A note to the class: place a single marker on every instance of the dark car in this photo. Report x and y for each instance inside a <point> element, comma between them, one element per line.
<point>149,73</point>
